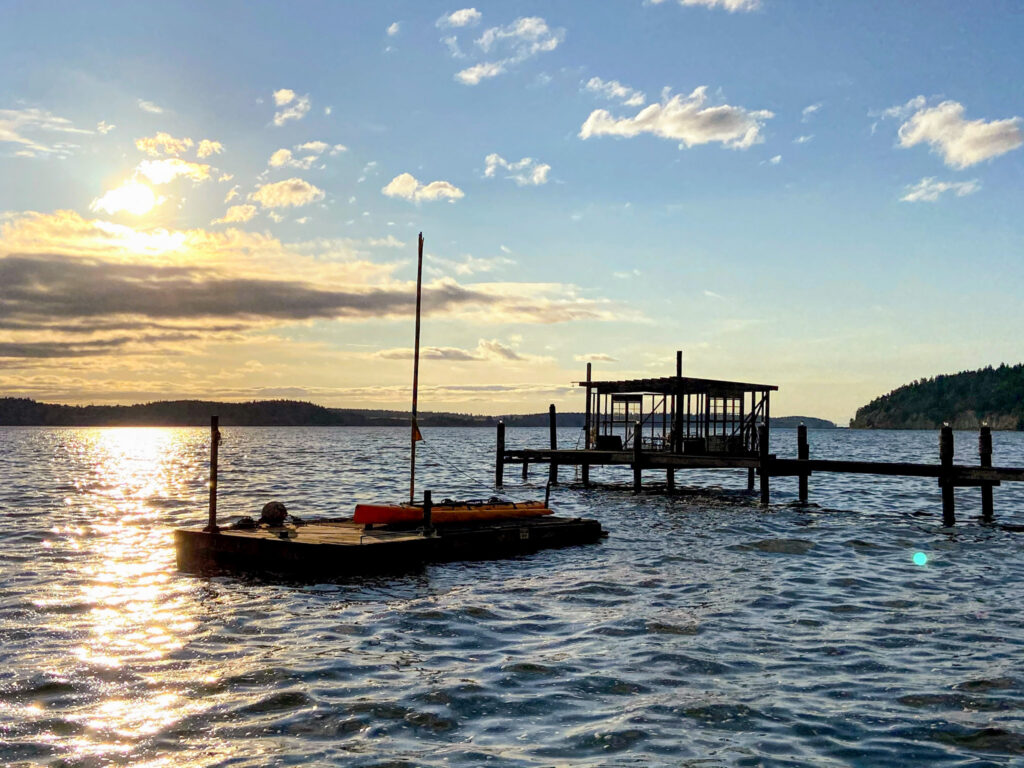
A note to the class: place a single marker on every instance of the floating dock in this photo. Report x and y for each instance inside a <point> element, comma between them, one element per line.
<point>677,423</point>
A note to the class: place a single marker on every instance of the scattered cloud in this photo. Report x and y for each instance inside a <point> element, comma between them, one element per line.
<point>523,39</point>
<point>524,172</point>
<point>168,169</point>
<point>732,6</point>
<point>929,189</point>
<point>149,106</point>
<point>232,193</point>
<point>486,350</point>
<point>104,127</point>
<point>316,147</point>
<point>163,144</point>
<point>960,142</point>
<point>465,17</point>
<point>596,357</point>
<point>803,139</point>
<point>207,148</point>
<point>686,119</point>
<point>807,112</point>
<point>283,157</point>
<point>131,197</point>
<point>394,28</point>
<point>289,193</point>
<point>292,106</point>
<point>471,265</point>
<point>613,90</point>
<point>406,186</point>
<point>237,213</point>
<point>31,129</point>
<point>775,160</point>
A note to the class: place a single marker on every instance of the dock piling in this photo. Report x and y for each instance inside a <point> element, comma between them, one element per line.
<point>985,457</point>
<point>428,511</point>
<point>762,445</point>
<point>750,479</point>
<point>946,479</point>
<point>212,526</point>
<point>553,440</point>
<point>499,456</point>
<point>803,452</point>
<point>638,457</point>
<point>670,479</point>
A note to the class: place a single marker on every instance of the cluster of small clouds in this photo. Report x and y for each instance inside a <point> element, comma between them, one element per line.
<point>504,46</point>
<point>289,193</point>
<point>524,172</point>
<point>408,187</point>
<point>30,129</point>
<point>284,157</point>
<point>929,189</point>
<point>732,6</point>
<point>613,90</point>
<point>290,106</point>
<point>486,350</point>
<point>690,120</point>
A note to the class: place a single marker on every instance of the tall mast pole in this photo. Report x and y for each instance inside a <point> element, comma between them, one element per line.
<point>415,433</point>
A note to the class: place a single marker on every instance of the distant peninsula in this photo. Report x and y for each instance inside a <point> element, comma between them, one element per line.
<point>964,400</point>
<point>274,413</point>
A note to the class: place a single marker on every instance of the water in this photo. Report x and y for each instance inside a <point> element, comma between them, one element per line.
<point>705,631</point>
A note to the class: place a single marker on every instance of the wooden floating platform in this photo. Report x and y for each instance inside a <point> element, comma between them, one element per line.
<point>343,548</point>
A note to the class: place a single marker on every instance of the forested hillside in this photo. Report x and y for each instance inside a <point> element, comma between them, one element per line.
<point>964,400</point>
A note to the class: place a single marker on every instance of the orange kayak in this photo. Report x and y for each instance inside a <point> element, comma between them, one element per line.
<point>448,513</point>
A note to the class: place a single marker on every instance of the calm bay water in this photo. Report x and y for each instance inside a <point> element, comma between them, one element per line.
<point>705,631</point>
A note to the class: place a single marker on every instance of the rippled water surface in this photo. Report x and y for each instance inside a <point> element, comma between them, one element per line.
<point>704,631</point>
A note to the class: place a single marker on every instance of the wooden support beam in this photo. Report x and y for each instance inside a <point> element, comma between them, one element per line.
<point>585,475</point>
<point>211,526</point>
<point>638,457</point>
<point>526,470</point>
<point>553,440</point>
<point>762,443</point>
<point>586,419</point>
<point>499,456</point>
<point>803,452</point>
<point>945,480</point>
<point>750,478</point>
<point>985,457</point>
<point>670,479</point>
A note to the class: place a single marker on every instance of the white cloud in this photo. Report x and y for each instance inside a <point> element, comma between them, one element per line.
<point>316,147</point>
<point>803,139</point>
<point>684,119</point>
<point>406,186</point>
<point>289,193</point>
<point>452,44</point>
<point>522,39</point>
<point>732,6</point>
<point>486,350</point>
<point>902,111</point>
<point>149,106</point>
<point>104,127</point>
<point>131,197</point>
<point>929,189</point>
<point>163,144</point>
<point>385,242</point>
<point>808,111</point>
<point>32,128</point>
<point>465,17</point>
<point>338,149</point>
<point>283,157</point>
<point>471,265</point>
<point>775,160</point>
<point>226,177</point>
<point>237,214</point>
<point>292,107</point>
<point>597,357</point>
<point>523,172</point>
<point>394,28</point>
<point>207,148</point>
<point>169,168</point>
<point>961,142</point>
<point>232,194</point>
<point>616,91</point>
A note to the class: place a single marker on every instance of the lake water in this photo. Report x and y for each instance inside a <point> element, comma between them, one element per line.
<point>705,631</point>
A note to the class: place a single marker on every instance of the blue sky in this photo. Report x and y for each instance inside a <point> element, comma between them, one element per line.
<point>823,196</point>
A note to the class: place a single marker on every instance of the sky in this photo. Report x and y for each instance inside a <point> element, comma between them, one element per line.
<point>222,200</point>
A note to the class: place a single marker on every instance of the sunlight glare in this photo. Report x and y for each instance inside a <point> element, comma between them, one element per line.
<point>131,197</point>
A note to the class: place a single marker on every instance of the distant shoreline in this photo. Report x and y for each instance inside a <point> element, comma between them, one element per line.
<point>23,412</point>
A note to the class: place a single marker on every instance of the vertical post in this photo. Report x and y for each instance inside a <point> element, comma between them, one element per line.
<point>750,478</point>
<point>499,456</point>
<point>985,455</point>
<point>415,430</point>
<point>762,444</point>
<point>211,526</point>
<point>803,452</point>
<point>670,478</point>
<point>553,441</point>
<point>946,479</point>
<point>428,512</point>
<point>585,469</point>
<point>638,457</point>
<point>679,363</point>
<point>526,470</point>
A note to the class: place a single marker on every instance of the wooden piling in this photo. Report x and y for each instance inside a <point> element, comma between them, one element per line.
<point>428,511</point>
<point>499,456</point>
<point>750,478</point>
<point>211,526</point>
<point>946,479</point>
<point>585,469</point>
<point>985,456</point>
<point>585,475</point>
<point>670,479</point>
<point>638,457</point>
<point>553,441</point>
<point>762,445</point>
<point>526,470</point>
<point>803,452</point>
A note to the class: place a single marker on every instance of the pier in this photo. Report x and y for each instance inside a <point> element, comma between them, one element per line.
<point>676,423</point>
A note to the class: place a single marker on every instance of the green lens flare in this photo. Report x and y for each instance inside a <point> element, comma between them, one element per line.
<point>920,558</point>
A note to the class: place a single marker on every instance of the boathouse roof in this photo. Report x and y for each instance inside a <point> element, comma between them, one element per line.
<point>677,385</point>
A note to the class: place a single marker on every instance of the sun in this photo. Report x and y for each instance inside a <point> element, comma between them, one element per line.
<point>131,197</point>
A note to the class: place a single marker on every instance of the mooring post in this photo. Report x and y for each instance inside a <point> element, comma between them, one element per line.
<point>553,440</point>
<point>985,455</point>
<point>762,445</point>
<point>750,478</point>
<point>946,479</point>
<point>428,512</point>
<point>585,468</point>
<point>526,469</point>
<point>803,452</point>
<point>670,478</point>
<point>499,456</point>
<point>638,457</point>
<point>211,526</point>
